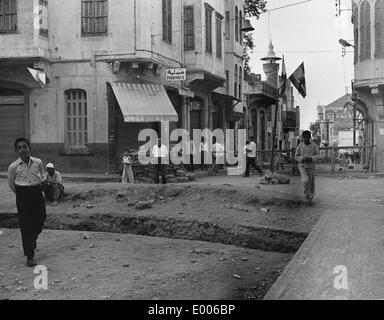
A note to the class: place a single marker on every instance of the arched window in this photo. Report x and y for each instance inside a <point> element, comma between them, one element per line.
<point>365,31</point>
<point>379,32</point>
<point>76,115</point>
<point>235,85</point>
<point>355,21</point>
<point>241,27</point>
<point>241,83</point>
<point>236,24</point>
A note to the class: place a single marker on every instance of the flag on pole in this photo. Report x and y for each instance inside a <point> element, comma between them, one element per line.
<point>283,80</point>
<point>298,80</point>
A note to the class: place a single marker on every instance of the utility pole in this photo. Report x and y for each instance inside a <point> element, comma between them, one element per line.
<point>274,136</point>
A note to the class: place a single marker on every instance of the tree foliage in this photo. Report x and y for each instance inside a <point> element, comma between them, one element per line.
<point>252,8</point>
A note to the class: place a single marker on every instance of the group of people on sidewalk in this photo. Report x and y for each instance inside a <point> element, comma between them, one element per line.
<point>160,151</point>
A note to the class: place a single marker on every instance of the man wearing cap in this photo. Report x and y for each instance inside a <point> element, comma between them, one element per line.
<point>53,184</point>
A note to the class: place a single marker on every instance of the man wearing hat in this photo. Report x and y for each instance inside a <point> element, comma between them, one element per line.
<point>53,184</point>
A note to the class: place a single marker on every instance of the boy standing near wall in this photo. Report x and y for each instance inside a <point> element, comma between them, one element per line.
<point>25,177</point>
<point>307,153</point>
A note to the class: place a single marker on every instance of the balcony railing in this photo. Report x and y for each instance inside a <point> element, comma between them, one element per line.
<point>263,88</point>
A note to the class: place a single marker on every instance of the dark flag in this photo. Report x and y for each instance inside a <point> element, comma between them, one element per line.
<point>283,80</point>
<point>298,80</point>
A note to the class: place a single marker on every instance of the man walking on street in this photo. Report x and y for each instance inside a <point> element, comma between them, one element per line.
<point>251,158</point>
<point>25,177</point>
<point>159,153</point>
<point>307,153</point>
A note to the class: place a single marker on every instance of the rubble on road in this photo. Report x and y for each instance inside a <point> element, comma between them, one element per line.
<point>144,173</point>
<point>275,178</point>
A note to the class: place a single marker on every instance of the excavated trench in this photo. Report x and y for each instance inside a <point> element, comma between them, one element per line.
<point>267,239</point>
<point>254,237</point>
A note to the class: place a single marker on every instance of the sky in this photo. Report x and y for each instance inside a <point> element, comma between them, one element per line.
<point>309,33</point>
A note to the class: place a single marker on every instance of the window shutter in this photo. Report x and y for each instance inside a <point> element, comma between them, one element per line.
<point>169,20</point>
<point>227,26</point>
<point>164,19</point>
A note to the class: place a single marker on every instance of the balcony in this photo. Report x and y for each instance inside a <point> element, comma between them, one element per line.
<point>289,121</point>
<point>262,91</point>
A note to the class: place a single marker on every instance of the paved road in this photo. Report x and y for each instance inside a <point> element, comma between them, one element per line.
<point>343,257</point>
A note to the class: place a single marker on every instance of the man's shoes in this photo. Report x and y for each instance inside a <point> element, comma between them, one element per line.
<point>31,262</point>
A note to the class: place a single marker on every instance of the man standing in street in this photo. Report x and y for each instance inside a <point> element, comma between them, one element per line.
<point>251,158</point>
<point>25,177</point>
<point>159,153</point>
<point>53,184</point>
<point>307,153</point>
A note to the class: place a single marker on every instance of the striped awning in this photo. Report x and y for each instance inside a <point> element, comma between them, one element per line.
<point>144,102</point>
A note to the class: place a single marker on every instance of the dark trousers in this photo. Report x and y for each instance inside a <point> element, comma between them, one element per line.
<point>191,166</point>
<point>251,162</point>
<point>31,211</point>
<point>203,165</point>
<point>160,170</point>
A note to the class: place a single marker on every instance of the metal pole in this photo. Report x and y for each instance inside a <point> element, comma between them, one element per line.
<point>274,136</point>
<point>354,124</point>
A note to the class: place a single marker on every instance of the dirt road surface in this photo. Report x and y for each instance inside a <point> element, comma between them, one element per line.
<point>223,211</point>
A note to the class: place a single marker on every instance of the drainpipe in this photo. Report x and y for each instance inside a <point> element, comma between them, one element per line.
<point>134,24</point>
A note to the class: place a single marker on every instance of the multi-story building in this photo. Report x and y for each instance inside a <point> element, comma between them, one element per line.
<point>337,127</point>
<point>368,24</point>
<point>291,120</point>
<point>105,64</point>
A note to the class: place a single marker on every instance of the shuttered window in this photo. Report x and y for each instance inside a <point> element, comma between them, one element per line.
<point>227,26</point>
<point>365,31</point>
<point>235,82</point>
<point>76,133</point>
<point>355,22</point>
<point>189,32</point>
<point>43,17</point>
<point>379,32</point>
<point>167,21</point>
<point>241,27</point>
<point>208,28</point>
<point>219,36</point>
<point>8,16</point>
<point>241,83</point>
<point>94,19</point>
<point>236,24</point>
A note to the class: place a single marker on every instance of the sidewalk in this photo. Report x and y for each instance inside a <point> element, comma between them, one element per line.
<point>349,235</point>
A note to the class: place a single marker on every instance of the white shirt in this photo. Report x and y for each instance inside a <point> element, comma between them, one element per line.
<point>21,174</point>
<point>161,152</point>
<point>252,146</point>
<point>218,149</point>
<point>127,160</point>
<point>203,146</point>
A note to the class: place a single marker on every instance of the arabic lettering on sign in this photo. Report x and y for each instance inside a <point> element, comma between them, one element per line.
<point>178,74</point>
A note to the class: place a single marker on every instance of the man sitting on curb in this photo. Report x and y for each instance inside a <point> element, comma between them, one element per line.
<point>53,185</point>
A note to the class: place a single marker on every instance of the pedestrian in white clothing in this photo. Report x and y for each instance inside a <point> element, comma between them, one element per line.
<point>307,153</point>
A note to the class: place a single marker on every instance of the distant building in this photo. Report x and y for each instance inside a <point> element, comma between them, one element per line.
<point>368,85</point>
<point>336,123</point>
<point>263,98</point>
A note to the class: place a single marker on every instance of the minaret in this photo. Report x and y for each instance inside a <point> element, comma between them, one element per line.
<point>271,67</point>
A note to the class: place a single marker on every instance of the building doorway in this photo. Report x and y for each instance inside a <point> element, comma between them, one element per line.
<point>12,123</point>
